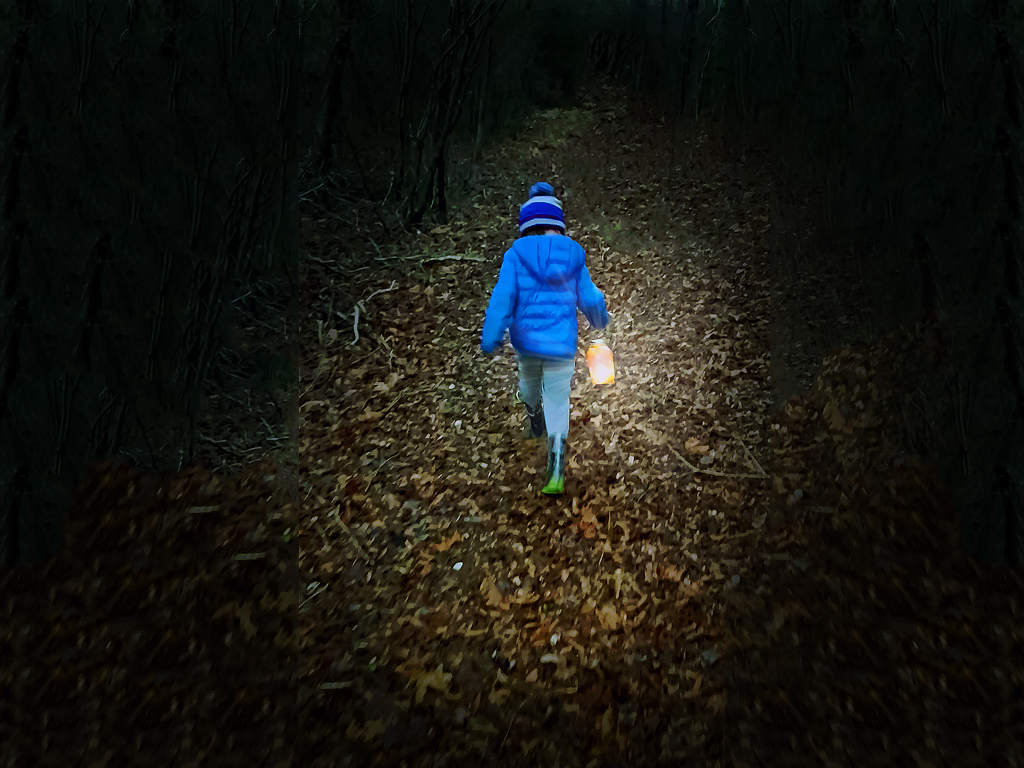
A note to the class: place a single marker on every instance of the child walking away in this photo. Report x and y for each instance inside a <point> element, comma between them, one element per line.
<point>543,280</point>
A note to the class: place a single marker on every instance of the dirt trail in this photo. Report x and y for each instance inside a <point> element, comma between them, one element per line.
<point>723,583</point>
<point>468,612</point>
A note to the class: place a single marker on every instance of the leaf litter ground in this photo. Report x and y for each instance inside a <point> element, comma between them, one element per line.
<point>446,584</point>
<point>679,605</point>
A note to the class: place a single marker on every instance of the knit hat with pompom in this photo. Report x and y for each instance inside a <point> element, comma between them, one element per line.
<point>542,209</point>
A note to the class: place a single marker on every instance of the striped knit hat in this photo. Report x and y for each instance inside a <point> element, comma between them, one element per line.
<point>542,209</point>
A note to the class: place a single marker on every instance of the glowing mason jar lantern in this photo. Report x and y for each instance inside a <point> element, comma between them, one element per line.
<point>599,360</point>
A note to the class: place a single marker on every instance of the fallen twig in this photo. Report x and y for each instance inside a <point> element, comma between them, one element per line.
<point>715,473</point>
<point>453,258</point>
<point>351,536</point>
<point>361,304</point>
<point>308,192</point>
<point>316,593</point>
<point>323,535</point>
<point>750,456</point>
<point>355,325</point>
<point>403,393</point>
<point>394,283</point>
<point>510,723</point>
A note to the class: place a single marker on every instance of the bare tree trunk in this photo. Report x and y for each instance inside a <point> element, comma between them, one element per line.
<point>937,40</point>
<point>468,27</point>
<point>792,30</point>
<point>1010,313</point>
<point>324,152</point>
<point>137,289</point>
<point>688,77</point>
<point>480,102</point>
<point>407,35</point>
<point>441,199</point>
<point>638,66</point>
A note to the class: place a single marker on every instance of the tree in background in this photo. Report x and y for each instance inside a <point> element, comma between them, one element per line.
<point>420,75</point>
<point>151,163</point>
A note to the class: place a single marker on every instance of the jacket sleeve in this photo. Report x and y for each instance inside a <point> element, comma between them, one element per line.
<point>590,300</point>
<point>501,308</point>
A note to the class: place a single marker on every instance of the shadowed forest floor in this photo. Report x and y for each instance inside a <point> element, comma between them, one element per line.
<point>746,568</point>
<point>716,585</point>
<point>523,624</point>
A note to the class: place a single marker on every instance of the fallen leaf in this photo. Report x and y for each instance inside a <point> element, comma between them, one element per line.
<point>608,617</point>
<point>607,720</point>
<point>696,688</point>
<point>437,679</point>
<point>445,545</point>
<point>669,573</point>
<point>498,695</point>
<point>833,416</point>
<point>373,729</point>
<point>491,593</point>
<point>693,445</point>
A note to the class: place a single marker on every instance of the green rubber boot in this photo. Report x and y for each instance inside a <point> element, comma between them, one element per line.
<point>556,467</point>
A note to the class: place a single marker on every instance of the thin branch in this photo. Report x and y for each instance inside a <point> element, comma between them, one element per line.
<point>750,456</point>
<point>361,305</point>
<point>394,284</point>
<point>352,537</point>
<point>453,258</point>
<point>713,472</point>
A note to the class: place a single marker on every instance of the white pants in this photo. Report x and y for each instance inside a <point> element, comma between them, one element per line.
<point>546,382</point>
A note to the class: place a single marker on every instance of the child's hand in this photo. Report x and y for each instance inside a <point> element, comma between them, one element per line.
<point>498,349</point>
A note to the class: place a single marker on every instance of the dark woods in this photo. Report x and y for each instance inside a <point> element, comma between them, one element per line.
<point>150,169</point>
<point>155,158</point>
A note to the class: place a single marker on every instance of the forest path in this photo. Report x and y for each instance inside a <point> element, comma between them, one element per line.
<point>720,584</point>
<point>439,569</point>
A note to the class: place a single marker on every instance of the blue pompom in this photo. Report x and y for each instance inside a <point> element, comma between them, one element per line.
<point>541,188</point>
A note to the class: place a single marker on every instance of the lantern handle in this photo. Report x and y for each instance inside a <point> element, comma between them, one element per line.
<point>606,332</point>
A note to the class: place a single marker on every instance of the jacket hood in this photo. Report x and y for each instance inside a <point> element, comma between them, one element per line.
<point>550,259</point>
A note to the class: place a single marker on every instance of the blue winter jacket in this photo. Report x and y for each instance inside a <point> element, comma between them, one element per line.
<point>543,280</point>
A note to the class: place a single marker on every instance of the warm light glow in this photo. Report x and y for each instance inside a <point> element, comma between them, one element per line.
<point>599,360</point>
